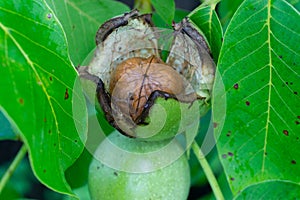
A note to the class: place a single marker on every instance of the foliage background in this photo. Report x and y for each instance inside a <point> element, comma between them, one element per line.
<point>258,140</point>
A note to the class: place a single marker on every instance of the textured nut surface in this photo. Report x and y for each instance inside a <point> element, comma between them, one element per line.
<point>135,79</point>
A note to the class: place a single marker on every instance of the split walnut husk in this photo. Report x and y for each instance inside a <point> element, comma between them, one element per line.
<point>131,73</point>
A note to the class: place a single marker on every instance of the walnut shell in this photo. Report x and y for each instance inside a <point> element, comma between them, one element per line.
<point>135,79</point>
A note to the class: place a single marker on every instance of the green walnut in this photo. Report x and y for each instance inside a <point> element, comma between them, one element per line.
<point>156,182</point>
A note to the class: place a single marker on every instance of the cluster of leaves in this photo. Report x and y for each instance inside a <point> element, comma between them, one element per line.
<point>256,109</point>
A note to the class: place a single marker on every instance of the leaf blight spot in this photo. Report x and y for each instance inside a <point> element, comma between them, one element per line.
<point>285,132</point>
<point>49,15</point>
<point>66,94</point>
<point>293,162</point>
<point>228,133</point>
<point>247,103</point>
<point>21,101</point>
<point>236,86</point>
<point>215,124</point>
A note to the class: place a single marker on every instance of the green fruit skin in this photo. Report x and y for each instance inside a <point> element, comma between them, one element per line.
<point>169,118</point>
<point>171,182</point>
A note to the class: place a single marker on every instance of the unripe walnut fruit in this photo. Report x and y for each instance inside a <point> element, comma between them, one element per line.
<point>167,183</point>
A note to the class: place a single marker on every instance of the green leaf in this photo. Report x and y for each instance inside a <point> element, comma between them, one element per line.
<point>295,3</point>
<point>271,189</point>
<point>180,14</point>
<point>165,9</point>
<point>226,9</point>
<point>208,22</point>
<point>38,79</point>
<point>77,174</point>
<point>259,67</point>
<point>81,20</point>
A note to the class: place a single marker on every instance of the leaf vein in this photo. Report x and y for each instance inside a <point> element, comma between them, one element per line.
<point>29,19</point>
<point>243,58</point>
<point>81,12</point>
<point>62,108</point>
<point>270,85</point>
<point>245,21</point>
<point>285,27</point>
<point>244,39</point>
<point>39,45</point>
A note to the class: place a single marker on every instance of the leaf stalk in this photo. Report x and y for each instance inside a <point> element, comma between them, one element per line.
<point>208,171</point>
<point>144,6</point>
<point>22,152</point>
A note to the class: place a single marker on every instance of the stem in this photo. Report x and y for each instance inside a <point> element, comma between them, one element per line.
<point>22,152</point>
<point>144,6</point>
<point>208,172</point>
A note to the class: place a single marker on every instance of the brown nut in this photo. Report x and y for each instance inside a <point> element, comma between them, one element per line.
<point>135,79</point>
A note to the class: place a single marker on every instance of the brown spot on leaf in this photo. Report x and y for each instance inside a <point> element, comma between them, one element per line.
<point>285,132</point>
<point>66,94</point>
<point>21,101</point>
<point>49,131</point>
<point>287,83</point>
<point>50,78</point>
<point>116,173</point>
<point>296,93</point>
<point>44,171</point>
<point>248,103</point>
<point>54,144</point>
<point>280,56</point>
<point>231,178</point>
<point>266,153</point>
<point>228,133</point>
<point>75,141</point>
<point>215,125</point>
<point>297,122</point>
<point>293,162</point>
<point>230,154</point>
<point>298,117</point>
<point>45,119</point>
<point>236,86</point>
